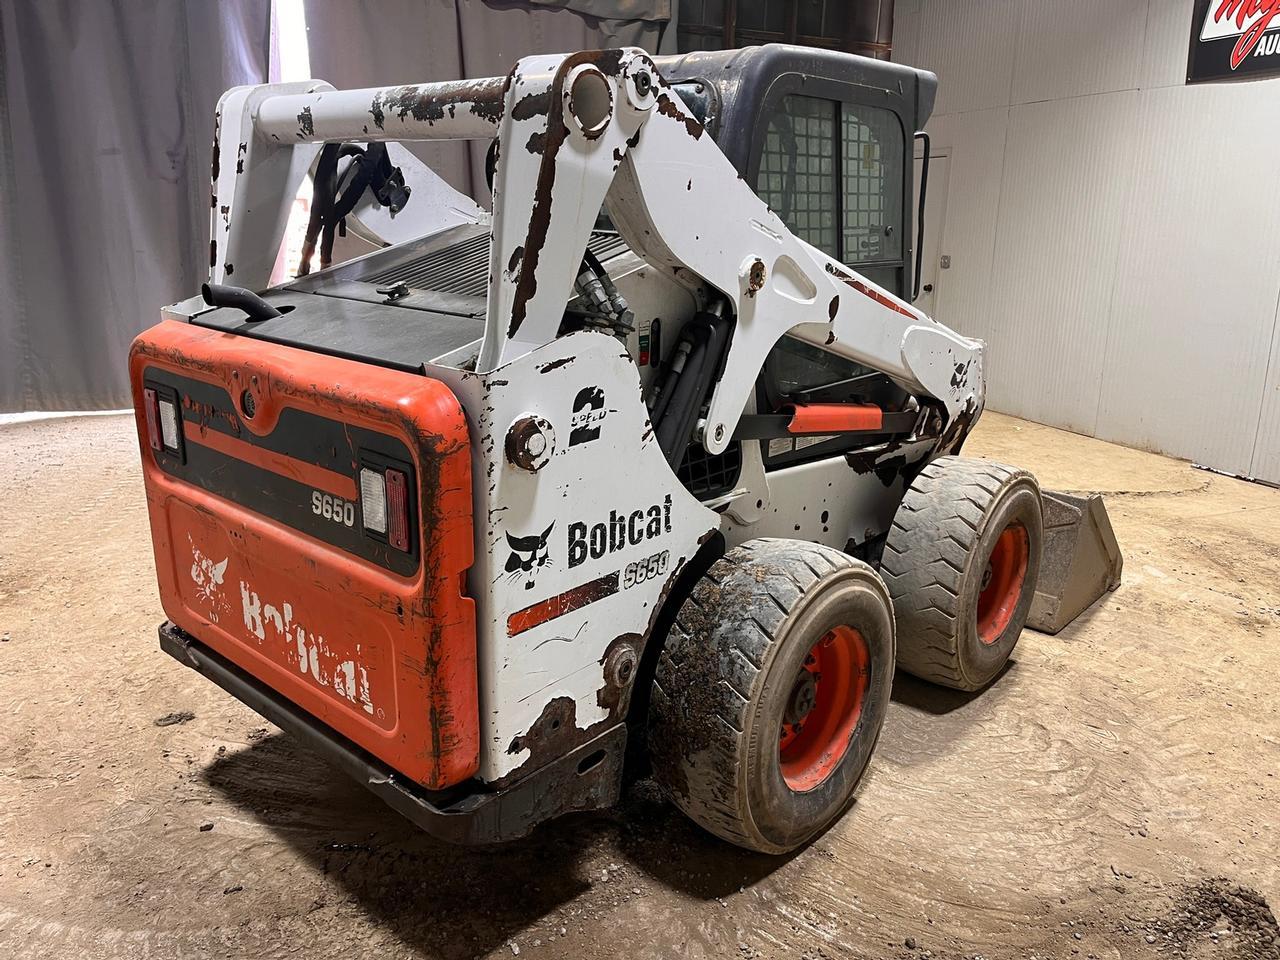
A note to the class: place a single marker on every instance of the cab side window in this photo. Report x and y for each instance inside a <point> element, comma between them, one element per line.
<point>797,177</point>
<point>833,171</point>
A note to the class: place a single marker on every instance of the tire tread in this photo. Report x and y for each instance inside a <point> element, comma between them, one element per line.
<point>944,509</point>
<point>698,662</point>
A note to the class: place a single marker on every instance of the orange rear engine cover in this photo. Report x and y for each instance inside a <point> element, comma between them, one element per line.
<point>261,550</point>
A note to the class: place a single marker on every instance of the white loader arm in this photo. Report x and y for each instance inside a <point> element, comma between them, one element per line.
<point>583,130</point>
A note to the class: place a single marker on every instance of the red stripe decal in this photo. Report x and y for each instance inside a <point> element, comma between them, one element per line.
<point>876,295</point>
<point>558,606</point>
<point>881,299</point>
<point>305,473</point>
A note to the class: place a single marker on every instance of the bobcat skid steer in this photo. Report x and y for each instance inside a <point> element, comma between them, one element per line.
<point>652,467</point>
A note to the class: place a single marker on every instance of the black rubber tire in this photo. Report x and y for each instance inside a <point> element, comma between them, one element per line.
<point>725,676</point>
<point>935,559</point>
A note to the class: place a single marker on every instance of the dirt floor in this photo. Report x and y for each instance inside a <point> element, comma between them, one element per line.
<point>1113,794</point>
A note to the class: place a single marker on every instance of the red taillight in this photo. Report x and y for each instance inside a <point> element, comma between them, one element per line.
<point>397,510</point>
<point>151,403</point>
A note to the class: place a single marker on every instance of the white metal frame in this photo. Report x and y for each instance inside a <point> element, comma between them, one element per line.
<point>575,132</point>
<point>673,195</point>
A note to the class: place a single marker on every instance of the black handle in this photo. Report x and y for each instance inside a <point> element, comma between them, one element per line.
<point>924,190</point>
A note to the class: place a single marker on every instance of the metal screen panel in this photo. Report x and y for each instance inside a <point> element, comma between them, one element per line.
<point>797,169</point>
<point>463,268</point>
<point>871,159</point>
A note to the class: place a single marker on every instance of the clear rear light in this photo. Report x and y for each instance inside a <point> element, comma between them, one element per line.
<point>373,500</point>
<point>169,423</point>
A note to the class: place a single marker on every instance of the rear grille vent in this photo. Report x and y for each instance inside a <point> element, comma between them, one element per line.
<point>605,244</point>
<point>463,268</point>
<point>707,475</point>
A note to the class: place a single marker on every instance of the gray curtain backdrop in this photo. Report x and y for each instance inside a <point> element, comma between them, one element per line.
<point>106,127</point>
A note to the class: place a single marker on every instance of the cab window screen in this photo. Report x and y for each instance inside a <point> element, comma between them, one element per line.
<point>797,176</point>
<point>834,173</point>
<point>872,170</point>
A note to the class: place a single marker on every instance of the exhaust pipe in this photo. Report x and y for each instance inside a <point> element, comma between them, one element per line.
<point>224,295</point>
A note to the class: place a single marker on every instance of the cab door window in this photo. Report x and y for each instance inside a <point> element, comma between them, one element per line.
<point>833,171</point>
<point>871,165</point>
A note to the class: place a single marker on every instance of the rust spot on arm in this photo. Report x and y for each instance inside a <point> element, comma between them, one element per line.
<point>669,108</point>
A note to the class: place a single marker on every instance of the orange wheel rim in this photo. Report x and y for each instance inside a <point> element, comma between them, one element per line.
<point>1002,582</point>
<point>824,707</point>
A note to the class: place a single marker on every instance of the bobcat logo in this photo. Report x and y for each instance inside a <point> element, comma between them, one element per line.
<point>207,577</point>
<point>528,554</point>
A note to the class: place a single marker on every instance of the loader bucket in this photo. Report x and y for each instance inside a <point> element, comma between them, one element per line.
<point>1081,561</point>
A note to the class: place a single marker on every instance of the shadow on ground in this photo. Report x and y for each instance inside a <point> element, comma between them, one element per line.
<point>939,701</point>
<point>453,901</point>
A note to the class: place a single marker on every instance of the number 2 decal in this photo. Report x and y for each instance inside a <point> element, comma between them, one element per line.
<point>588,411</point>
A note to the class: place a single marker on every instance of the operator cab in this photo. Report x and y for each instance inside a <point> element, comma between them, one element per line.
<point>825,139</point>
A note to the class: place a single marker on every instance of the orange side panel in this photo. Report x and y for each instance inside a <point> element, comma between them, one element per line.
<point>808,418</point>
<point>384,656</point>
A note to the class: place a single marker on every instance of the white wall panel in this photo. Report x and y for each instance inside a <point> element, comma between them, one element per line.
<point>906,32</point>
<point>974,143</point>
<point>1199,275</point>
<point>1066,180</point>
<point>1078,48</point>
<point>970,45</point>
<point>1266,451</point>
<point>1164,57</point>
<point>1114,234</point>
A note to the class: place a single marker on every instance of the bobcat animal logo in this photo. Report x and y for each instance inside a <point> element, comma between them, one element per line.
<point>207,577</point>
<point>528,554</point>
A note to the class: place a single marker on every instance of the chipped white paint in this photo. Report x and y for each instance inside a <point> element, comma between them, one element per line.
<point>554,545</point>
<point>207,577</point>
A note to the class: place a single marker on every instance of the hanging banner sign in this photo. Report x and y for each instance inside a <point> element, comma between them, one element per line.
<point>1234,40</point>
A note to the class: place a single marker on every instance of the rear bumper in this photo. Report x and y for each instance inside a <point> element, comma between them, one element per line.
<point>588,778</point>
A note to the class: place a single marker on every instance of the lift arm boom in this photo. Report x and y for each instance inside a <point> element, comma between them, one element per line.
<point>574,133</point>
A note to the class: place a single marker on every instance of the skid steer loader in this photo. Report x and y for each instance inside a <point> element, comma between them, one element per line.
<point>652,467</point>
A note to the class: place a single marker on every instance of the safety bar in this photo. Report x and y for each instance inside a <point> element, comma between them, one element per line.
<point>449,110</point>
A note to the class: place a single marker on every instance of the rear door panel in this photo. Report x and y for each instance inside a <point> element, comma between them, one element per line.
<point>261,551</point>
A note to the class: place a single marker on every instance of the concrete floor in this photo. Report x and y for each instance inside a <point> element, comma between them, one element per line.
<point>1114,794</point>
